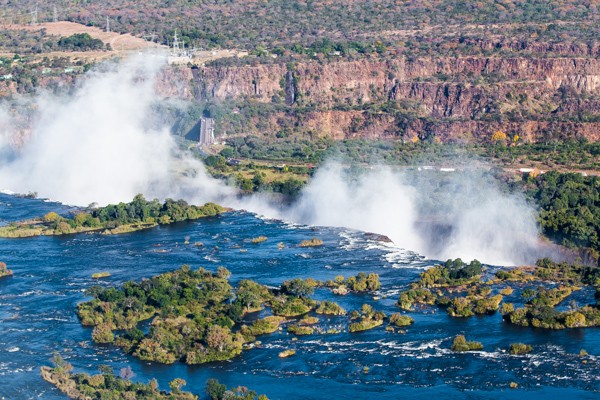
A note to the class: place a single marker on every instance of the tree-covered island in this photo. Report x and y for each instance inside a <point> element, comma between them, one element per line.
<point>112,219</point>
<point>463,291</point>
<point>196,315</point>
<point>108,385</point>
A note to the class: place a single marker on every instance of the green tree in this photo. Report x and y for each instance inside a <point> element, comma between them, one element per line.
<point>215,390</point>
<point>51,217</point>
<point>218,337</point>
<point>223,273</point>
<point>60,365</point>
<point>298,287</point>
<point>176,384</point>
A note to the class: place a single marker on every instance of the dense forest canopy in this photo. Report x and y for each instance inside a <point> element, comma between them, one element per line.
<point>570,207</point>
<point>235,23</point>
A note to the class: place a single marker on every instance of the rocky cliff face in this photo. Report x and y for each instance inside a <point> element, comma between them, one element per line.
<point>340,125</point>
<point>539,48</point>
<point>452,98</point>
<point>329,83</point>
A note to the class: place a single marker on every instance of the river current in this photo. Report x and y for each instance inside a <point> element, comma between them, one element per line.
<point>51,274</point>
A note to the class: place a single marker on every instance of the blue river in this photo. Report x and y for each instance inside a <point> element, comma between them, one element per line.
<point>51,274</point>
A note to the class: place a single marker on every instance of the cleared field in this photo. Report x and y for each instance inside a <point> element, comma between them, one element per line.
<point>120,43</point>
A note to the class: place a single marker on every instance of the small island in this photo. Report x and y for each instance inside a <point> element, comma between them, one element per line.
<point>463,292</point>
<point>191,316</point>
<point>460,344</point>
<point>108,385</point>
<point>197,315</point>
<point>360,283</point>
<point>368,319</point>
<point>4,271</point>
<point>540,310</point>
<point>287,353</point>
<point>314,242</point>
<point>520,349</point>
<point>113,219</point>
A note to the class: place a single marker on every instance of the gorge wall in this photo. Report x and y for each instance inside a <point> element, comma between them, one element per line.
<point>453,99</point>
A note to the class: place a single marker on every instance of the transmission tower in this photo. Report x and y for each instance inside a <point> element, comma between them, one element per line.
<point>107,24</point>
<point>34,16</point>
<point>55,16</point>
<point>176,44</point>
<point>150,38</point>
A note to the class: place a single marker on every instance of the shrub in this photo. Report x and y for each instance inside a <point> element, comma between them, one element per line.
<point>292,306</point>
<point>401,320</point>
<point>507,308</point>
<point>364,325</point>
<point>410,297</point>
<point>308,321</point>
<point>370,319</point>
<point>215,390</point>
<point>460,307</point>
<point>330,308</point>
<point>506,291</point>
<point>301,330</point>
<point>460,344</point>
<point>263,326</point>
<point>51,217</point>
<point>520,348</point>
<point>4,271</point>
<point>103,334</point>
<point>575,320</point>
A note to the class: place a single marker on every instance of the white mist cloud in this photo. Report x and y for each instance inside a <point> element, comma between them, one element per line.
<point>94,145</point>
<point>5,134</point>
<point>453,215</point>
<point>485,223</point>
<point>376,201</point>
<point>10,134</point>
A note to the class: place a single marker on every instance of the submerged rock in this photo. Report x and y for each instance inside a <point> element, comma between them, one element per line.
<point>287,353</point>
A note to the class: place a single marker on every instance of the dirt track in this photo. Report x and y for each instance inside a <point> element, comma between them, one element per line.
<point>119,43</point>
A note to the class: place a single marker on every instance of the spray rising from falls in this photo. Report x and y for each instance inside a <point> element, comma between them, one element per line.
<point>96,145</point>
<point>441,215</point>
<point>374,201</point>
